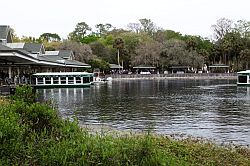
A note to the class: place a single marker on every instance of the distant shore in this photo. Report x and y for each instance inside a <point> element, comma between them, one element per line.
<point>175,76</point>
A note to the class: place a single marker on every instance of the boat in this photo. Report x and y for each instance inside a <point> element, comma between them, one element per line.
<point>243,78</point>
<point>99,77</point>
<point>62,80</point>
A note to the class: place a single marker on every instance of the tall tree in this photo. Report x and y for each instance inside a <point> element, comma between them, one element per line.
<point>80,32</point>
<point>175,53</point>
<point>148,53</point>
<point>134,27</point>
<point>101,51</point>
<point>222,27</point>
<point>119,45</point>
<point>232,44</point>
<point>243,27</point>
<point>102,29</point>
<point>148,26</point>
<point>49,37</point>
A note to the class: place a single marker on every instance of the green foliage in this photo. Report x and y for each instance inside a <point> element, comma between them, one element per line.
<point>80,31</point>
<point>98,63</point>
<point>103,29</point>
<point>24,93</point>
<point>89,39</point>
<point>50,37</point>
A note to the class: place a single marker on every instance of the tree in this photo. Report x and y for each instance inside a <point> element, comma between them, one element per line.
<point>102,29</point>
<point>148,26</point>
<point>134,27</point>
<point>222,27</point>
<point>243,27</point>
<point>119,45</point>
<point>99,64</point>
<point>164,35</point>
<point>80,32</point>
<point>101,51</point>
<point>175,53</point>
<point>148,53</point>
<point>245,57</point>
<point>50,37</point>
<point>232,44</point>
<point>82,52</point>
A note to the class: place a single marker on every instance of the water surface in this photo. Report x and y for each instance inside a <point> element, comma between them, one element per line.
<point>212,109</point>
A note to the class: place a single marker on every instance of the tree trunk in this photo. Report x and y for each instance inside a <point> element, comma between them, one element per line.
<point>118,58</point>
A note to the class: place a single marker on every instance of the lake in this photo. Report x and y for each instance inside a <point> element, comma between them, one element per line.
<point>210,109</point>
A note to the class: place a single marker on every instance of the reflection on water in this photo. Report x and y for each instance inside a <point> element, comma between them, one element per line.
<point>213,109</point>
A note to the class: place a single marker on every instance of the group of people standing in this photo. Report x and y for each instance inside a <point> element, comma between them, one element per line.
<point>21,79</point>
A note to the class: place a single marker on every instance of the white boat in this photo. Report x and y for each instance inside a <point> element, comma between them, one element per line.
<point>62,79</point>
<point>243,78</point>
<point>99,77</point>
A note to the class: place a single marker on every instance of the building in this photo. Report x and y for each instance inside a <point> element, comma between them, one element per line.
<point>18,60</point>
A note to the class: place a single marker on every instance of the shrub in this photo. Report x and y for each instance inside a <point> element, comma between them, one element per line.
<point>25,93</point>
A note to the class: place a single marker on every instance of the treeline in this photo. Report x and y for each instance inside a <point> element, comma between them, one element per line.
<point>145,43</point>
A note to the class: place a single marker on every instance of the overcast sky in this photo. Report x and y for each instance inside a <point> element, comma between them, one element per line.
<point>193,17</point>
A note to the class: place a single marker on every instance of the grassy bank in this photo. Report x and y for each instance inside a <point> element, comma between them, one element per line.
<point>33,134</point>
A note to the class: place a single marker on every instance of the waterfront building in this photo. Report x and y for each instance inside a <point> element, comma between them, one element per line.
<point>18,61</point>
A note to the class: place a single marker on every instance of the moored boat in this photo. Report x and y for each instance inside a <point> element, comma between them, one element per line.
<point>243,78</point>
<point>62,79</point>
<point>99,77</point>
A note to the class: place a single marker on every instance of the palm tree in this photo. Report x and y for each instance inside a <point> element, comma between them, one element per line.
<point>119,45</point>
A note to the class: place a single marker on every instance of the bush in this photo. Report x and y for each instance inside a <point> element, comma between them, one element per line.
<point>25,93</point>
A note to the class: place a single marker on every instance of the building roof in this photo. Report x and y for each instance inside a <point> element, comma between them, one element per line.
<point>25,54</point>
<point>244,72</point>
<point>219,66</point>
<point>5,48</point>
<point>67,63</point>
<point>15,45</point>
<point>62,73</point>
<point>76,63</point>
<point>33,47</point>
<point>65,54</point>
<point>29,47</point>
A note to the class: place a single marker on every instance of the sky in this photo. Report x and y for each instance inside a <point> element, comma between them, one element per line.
<point>192,17</point>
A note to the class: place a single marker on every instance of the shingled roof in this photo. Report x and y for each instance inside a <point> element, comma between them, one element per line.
<point>5,48</point>
<point>65,54</point>
<point>33,47</point>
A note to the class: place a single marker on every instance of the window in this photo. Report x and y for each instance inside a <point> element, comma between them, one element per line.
<point>85,79</point>
<point>63,80</point>
<point>70,80</point>
<point>55,80</point>
<point>242,79</point>
<point>47,80</point>
<point>39,80</point>
<point>78,80</point>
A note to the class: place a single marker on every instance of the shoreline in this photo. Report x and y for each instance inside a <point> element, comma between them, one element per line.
<point>196,76</point>
<point>107,130</point>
